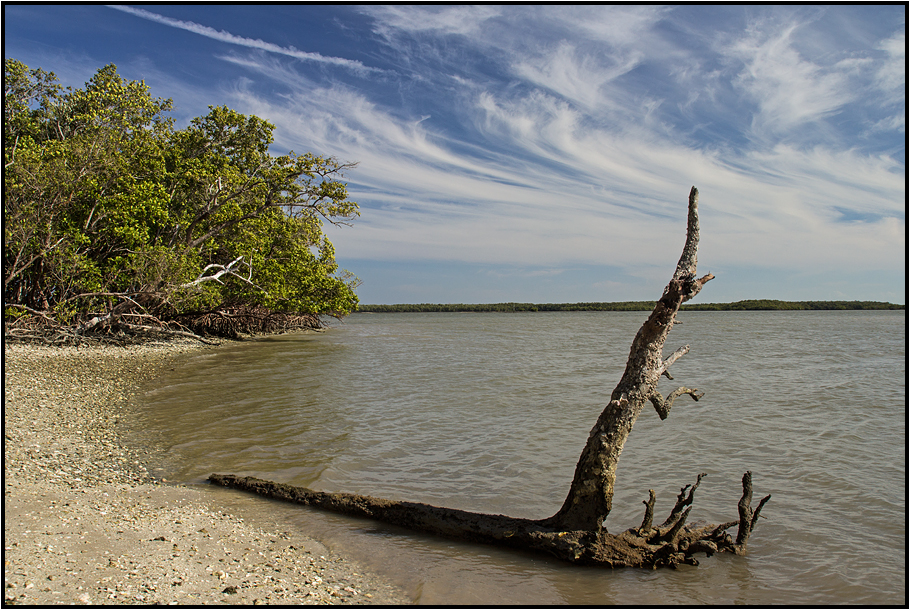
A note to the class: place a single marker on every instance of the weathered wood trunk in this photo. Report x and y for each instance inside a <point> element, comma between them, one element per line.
<point>590,498</point>
<point>576,533</point>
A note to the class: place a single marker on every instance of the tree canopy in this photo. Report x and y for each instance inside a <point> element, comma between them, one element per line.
<point>114,219</point>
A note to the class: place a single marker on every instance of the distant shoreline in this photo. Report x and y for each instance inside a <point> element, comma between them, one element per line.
<point>747,305</point>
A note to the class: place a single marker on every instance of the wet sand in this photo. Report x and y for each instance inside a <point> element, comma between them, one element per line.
<point>85,523</point>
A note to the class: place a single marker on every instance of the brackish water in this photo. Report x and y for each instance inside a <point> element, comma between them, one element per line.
<point>489,412</point>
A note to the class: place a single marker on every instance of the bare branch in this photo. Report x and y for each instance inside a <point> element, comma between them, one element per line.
<point>671,359</point>
<point>682,501</point>
<point>673,533</point>
<point>662,405</point>
<point>86,295</point>
<point>649,514</point>
<point>747,518</point>
<point>31,311</point>
<point>168,331</point>
<point>757,512</point>
<point>95,322</point>
<point>693,287</point>
<point>223,270</point>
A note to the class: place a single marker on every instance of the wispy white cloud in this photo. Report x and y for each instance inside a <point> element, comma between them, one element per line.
<point>233,39</point>
<point>575,76</point>
<point>789,89</point>
<point>624,26</point>
<point>522,145</point>
<point>891,75</point>
<point>461,20</point>
<point>429,203</point>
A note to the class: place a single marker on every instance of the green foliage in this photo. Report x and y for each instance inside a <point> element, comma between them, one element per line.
<point>107,206</point>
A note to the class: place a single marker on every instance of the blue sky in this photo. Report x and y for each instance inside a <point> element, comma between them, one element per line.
<point>545,153</point>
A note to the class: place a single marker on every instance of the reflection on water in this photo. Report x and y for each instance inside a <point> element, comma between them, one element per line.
<point>489,412</point>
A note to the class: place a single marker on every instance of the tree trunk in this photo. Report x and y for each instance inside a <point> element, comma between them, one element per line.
<point>576,533</point>
<point>590,498</point>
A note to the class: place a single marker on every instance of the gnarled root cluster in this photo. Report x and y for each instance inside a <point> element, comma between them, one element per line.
<point>674,542</point>
<point>119,327</point>
<point>669,544</point>
<point>233,322</point>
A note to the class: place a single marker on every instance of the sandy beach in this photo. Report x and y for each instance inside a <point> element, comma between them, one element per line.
<point>85,523</point>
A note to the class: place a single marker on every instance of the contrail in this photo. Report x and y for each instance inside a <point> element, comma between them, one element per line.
<point>229,38</point>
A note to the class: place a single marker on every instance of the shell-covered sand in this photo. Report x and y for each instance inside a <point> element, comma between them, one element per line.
<point>84,523</point>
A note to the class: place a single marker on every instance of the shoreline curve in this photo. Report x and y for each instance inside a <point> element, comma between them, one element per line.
<point>85,523</point>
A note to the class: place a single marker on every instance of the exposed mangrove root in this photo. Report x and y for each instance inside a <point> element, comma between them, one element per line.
<point>124,327</point>
<point>233,322</point>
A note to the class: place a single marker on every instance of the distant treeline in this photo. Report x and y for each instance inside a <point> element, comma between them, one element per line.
<point>748,305</point>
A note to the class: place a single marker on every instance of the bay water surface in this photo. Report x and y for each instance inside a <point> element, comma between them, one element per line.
<point>489,412</point>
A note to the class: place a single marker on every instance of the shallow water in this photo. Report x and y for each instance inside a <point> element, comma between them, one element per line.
<point>489,412</point>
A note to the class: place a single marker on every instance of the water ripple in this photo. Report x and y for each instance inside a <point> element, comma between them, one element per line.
<point>489,412</point>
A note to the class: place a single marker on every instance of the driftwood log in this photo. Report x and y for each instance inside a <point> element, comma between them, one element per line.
<point>576,532</point>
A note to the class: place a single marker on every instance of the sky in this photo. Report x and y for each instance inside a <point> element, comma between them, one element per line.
<point>545,153</point>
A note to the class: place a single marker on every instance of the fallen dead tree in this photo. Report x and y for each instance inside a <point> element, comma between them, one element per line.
<point>576,533</point>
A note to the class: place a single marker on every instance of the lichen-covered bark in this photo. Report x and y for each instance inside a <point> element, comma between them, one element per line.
<point>590,497</point>
<point>576,533</point>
